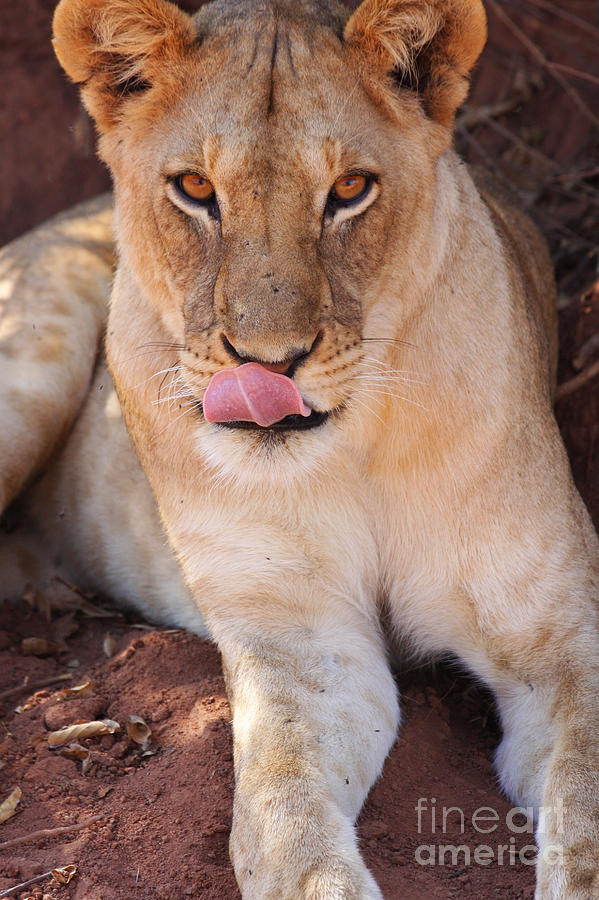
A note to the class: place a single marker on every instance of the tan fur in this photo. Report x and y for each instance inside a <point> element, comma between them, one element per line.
<point>438,489</point>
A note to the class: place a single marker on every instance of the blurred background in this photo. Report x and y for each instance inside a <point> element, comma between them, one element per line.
<point>532,118</point>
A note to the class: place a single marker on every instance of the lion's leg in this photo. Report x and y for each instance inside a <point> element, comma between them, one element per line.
<point>54,285</point>
<point>314,715</point>
<point>537,645</point>
<point>548,762</point>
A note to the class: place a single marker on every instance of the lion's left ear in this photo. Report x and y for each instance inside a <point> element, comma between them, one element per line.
<point>428,46</point>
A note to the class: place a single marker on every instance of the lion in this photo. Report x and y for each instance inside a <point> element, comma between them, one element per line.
<point>326,404</point>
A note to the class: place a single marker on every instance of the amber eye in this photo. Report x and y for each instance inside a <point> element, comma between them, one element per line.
<point>349,188</point>
<point>195,187</point>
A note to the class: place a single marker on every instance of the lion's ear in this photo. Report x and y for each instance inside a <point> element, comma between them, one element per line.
<point>428,46</point>
<point>112,47</point>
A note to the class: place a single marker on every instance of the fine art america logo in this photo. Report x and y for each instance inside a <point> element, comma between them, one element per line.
<point>484,821</point>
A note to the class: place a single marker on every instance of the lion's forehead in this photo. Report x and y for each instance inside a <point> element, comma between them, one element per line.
<point>311,17</point>
<point>282,63</point>
<point>255,115</point>
<point>278,73</point>
<point>269,91</point>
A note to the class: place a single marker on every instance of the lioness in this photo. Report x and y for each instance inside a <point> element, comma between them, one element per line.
<point>334,358</point>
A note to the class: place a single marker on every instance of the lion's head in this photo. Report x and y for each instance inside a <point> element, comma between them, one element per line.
<point>275,168</point>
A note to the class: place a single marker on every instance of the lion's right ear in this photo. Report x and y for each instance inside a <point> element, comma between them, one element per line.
<point>112,47</point>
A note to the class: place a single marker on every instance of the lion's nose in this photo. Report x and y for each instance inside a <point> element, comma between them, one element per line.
<point>293,357</point>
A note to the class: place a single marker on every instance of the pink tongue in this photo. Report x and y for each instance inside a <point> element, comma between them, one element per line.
<point>251,393</point>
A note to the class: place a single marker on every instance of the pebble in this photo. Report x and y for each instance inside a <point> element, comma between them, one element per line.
<point>119,749</point>
<point>23,868</point>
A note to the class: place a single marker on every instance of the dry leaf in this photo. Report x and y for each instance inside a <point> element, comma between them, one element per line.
<point>64,874</point>
<point>81,731</point>
<point>109,645</point>
<point>9,807</point>
<point>34,646</point>
<point>139,731</point>
<point>76,751</point>
<point>63,597</point>
<point>76,691</point>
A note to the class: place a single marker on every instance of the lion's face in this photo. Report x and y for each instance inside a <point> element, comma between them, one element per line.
<point>274,196</point>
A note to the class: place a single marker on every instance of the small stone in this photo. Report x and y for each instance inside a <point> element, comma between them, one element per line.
<point>24,868</point>
<point>119,749</point>
<point>160,714</point>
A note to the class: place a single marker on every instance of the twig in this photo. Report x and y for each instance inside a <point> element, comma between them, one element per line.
<point>544,62</point>
<point>558,175</point>
<point>34,686</point>
<point>576,73</point>
<point>474,115</point>
<point>587,350</point>
<point>568,387</point>
<point>568,16</point>
<point>544,24</point>
<point>24,884</point>
<point>578,176</point>
<point>534,154</point>
<point>488,159</point>
<point>50,832</point>
<point>73,587</point>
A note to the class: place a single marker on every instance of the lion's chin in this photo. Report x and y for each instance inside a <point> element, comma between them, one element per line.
<point>285,454</point>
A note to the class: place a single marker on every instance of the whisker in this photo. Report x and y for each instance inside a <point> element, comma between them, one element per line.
<point>381,373</point>
<point>185,412</point>
<point>344,106</point>
<point>346,141</point>
<point>384,367</point>
<point>162,345</point>
<point>164,377</point>
<point>390,341</point>
<point>170,399</point>
<point>374,372</point>
<point>156,374</point>
<point>393,396</point>
<point>387,386</point>
<point>382,380</point>
<point>355,399</point>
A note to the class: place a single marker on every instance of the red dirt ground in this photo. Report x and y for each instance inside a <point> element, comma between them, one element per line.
<point>165,816</point>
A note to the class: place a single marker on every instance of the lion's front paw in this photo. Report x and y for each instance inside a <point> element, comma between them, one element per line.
<point>331,880</point>
<point>340,881</point>
<point>314,866</point>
